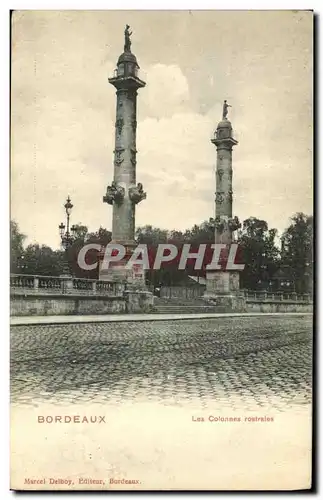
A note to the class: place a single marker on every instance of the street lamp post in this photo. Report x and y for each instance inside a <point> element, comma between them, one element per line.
<point>66,236</point>
<point>21,264</point>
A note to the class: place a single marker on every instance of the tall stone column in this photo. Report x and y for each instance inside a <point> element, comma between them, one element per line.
<point>123,219</point>
<point>222,286</point>
<point>124,193</point>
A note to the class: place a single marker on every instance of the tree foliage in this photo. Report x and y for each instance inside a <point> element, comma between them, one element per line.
<point>16,247</point>
<point>297,251</point>
<point>42,260</point>
<point>259,253</point>
<point>258,245</point>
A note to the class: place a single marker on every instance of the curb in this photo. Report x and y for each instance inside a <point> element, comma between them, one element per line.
<point>61,320</point>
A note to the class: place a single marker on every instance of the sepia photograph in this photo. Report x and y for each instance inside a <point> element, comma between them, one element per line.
<point>161,250</point>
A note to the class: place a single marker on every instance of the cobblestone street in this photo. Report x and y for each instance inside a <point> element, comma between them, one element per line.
<point>241,362</point>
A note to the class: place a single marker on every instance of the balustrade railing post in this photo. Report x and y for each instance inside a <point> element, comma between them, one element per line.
<point>66,284</point>
<point>94,287</point>
<point>36,283</point>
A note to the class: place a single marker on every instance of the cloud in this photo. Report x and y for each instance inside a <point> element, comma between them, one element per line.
<point>167,91</point>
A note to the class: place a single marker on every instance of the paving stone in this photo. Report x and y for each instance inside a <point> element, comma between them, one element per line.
<point>251,360</point>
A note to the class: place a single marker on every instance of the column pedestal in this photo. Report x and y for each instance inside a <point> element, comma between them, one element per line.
<point>118,271</point>
<point>138,301</point>
<point>222,290</point>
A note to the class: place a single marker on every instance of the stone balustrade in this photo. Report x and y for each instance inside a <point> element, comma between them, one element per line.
<point>24,284</point>
<point>66,295</point>
<point>173,292</point>
<point>263,296</point>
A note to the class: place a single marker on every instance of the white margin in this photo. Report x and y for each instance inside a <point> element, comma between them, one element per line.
<point>4,198</point>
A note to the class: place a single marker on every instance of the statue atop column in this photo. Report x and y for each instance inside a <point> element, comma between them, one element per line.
<point>225,110</point>
<point>127,41</point>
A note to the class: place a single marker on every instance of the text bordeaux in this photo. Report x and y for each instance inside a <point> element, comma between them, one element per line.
<point>71,419</point>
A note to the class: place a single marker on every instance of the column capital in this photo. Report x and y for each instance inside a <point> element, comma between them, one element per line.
<point>224,143</point>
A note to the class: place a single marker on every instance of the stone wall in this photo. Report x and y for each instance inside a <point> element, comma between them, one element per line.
<point>131,302</point>
<point>60,305</point>
<point>278,307</point>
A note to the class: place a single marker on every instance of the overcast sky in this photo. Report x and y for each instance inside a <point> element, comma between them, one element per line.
<point>63,115</point>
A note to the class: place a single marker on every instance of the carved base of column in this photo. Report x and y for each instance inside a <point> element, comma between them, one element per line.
<point>119,272</point>
<point>223,290</point>
<point>139,301</point>
<point>227,303</point>
<point>222,282</point>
